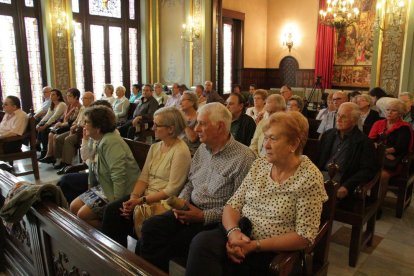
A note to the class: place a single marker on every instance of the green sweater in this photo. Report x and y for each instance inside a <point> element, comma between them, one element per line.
<point>116,166</point>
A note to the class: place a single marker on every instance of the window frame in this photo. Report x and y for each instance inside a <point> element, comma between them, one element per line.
<point>124,23</point>
<point>18,11</point>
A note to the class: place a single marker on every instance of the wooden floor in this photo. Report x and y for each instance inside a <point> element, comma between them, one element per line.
<point>393,254</point>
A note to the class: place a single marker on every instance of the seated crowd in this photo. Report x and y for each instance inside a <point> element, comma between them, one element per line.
<point>248,190</point>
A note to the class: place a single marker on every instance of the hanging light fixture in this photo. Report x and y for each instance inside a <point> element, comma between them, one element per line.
<point>339,13</point>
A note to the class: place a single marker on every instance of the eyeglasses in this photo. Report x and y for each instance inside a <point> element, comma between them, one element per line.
<point>155,126</point>
<point>337,99</point>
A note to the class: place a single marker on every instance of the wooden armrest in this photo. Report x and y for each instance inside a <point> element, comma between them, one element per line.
<point>282,264</point>
<point>362,190</point>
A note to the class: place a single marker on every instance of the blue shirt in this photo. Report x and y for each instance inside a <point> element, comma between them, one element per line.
<point>134,98</point>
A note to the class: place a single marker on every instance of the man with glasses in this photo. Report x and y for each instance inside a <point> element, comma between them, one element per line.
<point>328,121</point>
<point>45,105</point>
<point>349,148</point>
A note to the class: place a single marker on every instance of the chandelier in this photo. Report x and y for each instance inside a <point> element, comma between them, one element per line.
<point>339,13</point>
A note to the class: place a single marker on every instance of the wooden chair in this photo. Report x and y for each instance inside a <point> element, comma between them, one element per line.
<point>402,185</point>
<point>315,255</point>
<point>30,135</point>
<point>361,210</point>
<point>139,150</point>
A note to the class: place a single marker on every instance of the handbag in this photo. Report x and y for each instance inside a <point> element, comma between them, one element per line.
<point>145,211</point>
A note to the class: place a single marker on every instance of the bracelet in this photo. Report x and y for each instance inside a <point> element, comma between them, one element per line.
<point>258,246</point>
<point>231,230</point>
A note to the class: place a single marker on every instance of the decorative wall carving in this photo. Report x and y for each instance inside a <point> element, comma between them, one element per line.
<point>392,50</point>
<point>171,3</point>
<point>60,39</point>
<point>20,232</point>
<point>60,262</point>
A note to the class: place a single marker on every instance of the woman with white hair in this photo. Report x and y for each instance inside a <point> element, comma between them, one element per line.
<point>368,115</point>
<point>397,137</point>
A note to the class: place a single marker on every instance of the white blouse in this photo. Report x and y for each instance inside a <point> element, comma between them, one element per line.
<point>279,208</point>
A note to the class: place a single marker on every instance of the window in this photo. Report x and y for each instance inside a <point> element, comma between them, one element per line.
<point>104,53</point>
<point>22,71</point>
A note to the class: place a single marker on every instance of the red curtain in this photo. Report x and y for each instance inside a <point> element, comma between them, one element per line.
<point>324,58</point>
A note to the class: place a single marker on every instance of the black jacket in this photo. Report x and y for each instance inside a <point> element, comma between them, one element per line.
<point>361,165</point>
<point>246,129</point>
<point>372,117</point>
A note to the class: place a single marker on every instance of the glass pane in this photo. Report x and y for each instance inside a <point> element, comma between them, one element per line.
<point>78,50</point>
<point>9,77</point>
<point>28,3</point>
<point>75,6</point>
<point>227,57</point>
<point>115,55</point>
<point>35,69</point>
<point>98,59</point>
<point>131,9</point>
<point>5,1</point>
<point>133,55</point>
<point>110,8</point>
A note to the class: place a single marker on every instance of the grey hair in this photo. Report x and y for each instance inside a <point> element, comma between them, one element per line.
<point>279,100</point>
<point>158,84</point>
<point>298,99</point>
<point>396,103</point>
<point>172,117</point>
<point>408,94</point>
<point>217,112</point>
<point>110,87</point>
<point>367,98</point>
<point>192,97</point>
<point>355,113</point>
<point>210,82</point>
<point>122,88</point>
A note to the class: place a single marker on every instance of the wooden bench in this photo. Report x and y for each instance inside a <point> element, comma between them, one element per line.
<point>51,241</point>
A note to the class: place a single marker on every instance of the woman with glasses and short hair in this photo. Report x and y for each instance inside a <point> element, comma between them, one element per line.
<point>164,174</point>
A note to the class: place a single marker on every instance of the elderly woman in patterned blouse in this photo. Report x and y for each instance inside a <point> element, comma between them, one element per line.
<point>276,208</point>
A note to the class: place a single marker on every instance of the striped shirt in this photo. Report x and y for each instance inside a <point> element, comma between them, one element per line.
<point>214,178</point>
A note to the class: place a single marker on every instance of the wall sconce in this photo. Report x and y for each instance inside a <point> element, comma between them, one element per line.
<point>393,10</point>
<point>288,40</point>
<point>191,30</point>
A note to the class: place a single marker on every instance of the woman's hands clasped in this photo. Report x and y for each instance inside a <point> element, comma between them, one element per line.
<point>128,207</point>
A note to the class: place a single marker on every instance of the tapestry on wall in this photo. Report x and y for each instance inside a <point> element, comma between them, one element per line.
<point>354,49</point>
